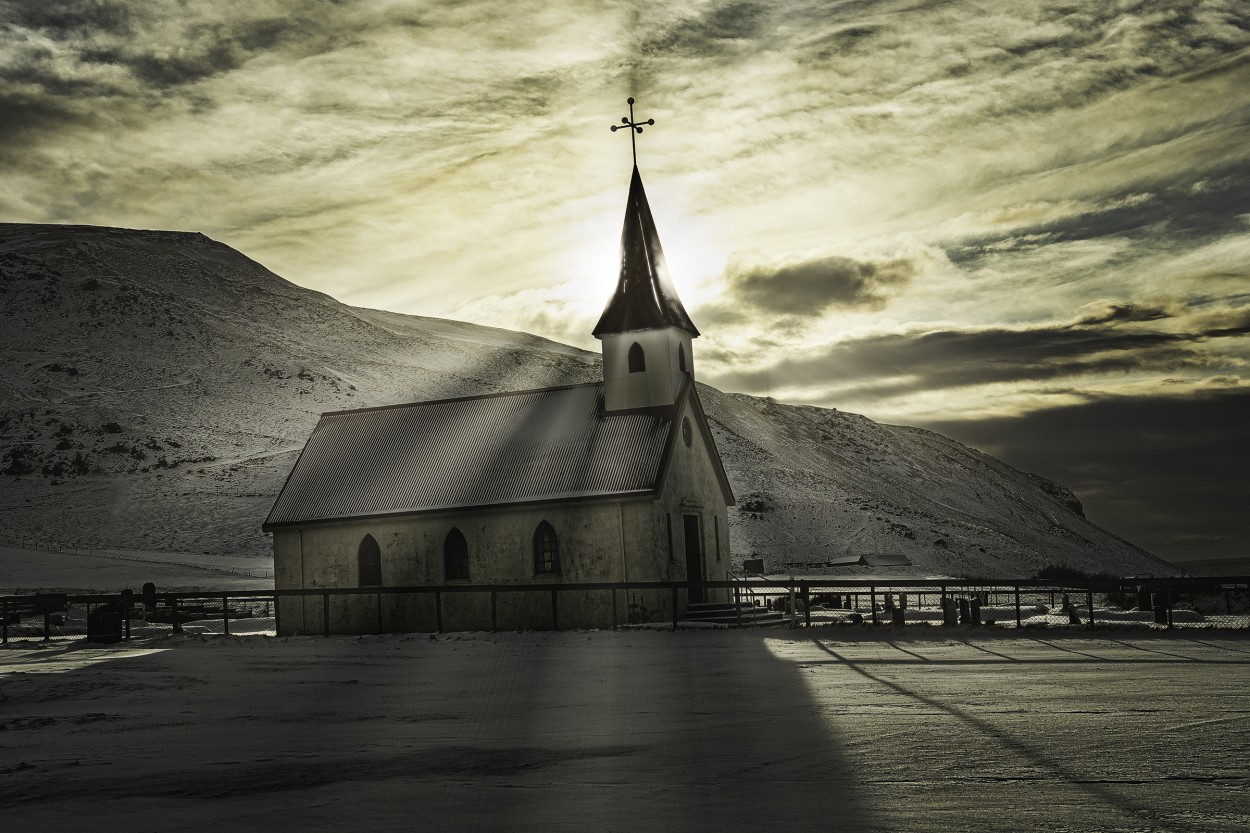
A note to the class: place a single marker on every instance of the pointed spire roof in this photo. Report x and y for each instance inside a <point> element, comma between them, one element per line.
<point>645,298</point>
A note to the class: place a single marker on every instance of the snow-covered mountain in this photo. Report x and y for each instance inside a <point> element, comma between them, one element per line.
<point>156,388</point>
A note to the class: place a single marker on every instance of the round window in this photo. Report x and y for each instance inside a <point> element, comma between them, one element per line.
<point>686,433</point>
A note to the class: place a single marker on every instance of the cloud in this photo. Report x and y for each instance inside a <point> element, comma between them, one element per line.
<point>879,367</point>
<point>812,286</point>
<point>1188,210</point>
<point>78,17</point>
<point>722,28</point>
<point>1126,312</point>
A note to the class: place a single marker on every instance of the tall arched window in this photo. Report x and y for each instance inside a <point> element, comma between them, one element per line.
<point>681,357</point>
<point>369,563</point>
<point>546,550</point>
<point>455,557</point>
<point>637,359</point>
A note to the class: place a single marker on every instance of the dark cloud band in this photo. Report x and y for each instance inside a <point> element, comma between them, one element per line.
<point>883,366</point>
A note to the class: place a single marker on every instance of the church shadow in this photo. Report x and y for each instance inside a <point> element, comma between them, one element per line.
<point>662,731</point>
<point>612,730</point>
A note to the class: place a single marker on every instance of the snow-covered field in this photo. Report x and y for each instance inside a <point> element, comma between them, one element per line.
<point>630,731</point>
<point>111,571</point>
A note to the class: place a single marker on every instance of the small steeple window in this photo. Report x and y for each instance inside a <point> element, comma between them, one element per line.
<point>681,357</point>
<point>637,359</point>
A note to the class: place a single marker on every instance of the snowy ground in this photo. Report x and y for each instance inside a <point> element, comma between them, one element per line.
<point>630,731</point>
<point>111,571</point>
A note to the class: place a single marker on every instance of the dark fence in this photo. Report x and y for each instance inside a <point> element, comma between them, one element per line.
<point>1160,603</point>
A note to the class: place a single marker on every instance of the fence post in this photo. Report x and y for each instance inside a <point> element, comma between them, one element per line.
<point>4,626</point>
<point>126,611</point>
<point>807,603</point>
<point>872,598</point>
<point>379,611</point>
<point>225,614</point>
<point>277,622</point>
<point>438,611</point>
<point>325,611</point>
<point>555,611</point>
<point>674,607</point>
<point>494,609</point>
<point>1017,589</point>
<point>1089,600</point>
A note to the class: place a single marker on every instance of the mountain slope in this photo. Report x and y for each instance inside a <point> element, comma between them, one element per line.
<point>156,387</point>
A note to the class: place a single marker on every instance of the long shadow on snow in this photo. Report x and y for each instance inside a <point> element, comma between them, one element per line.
<point>567,731</point>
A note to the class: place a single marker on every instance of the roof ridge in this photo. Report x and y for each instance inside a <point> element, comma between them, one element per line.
<point>495,395</point>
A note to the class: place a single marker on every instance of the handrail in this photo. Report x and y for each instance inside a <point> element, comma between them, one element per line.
<point>740,582</point>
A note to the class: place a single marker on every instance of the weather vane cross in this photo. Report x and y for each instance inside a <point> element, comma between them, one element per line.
<point>626,124</point>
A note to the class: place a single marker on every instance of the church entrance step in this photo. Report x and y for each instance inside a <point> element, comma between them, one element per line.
<point>721,613</point>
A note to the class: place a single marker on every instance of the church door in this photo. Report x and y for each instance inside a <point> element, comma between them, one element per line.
<point>694,556</point>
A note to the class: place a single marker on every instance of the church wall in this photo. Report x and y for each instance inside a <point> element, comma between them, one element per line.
<point>692,488</point>
<point>500,544</point>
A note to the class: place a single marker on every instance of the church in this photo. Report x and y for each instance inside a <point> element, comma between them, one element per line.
<point>611,481</point>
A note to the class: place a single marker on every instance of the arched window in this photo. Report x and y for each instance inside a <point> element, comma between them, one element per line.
<point>637,359</point>
<point>681,357</point>
<point>546,550</point>
<point>455,557</point>
<point>369,563</point>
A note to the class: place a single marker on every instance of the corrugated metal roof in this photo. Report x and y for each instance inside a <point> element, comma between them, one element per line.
<point>538,445</point>
<point>645,297</point>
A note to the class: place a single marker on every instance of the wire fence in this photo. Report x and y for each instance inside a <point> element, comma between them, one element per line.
<point>1127,603</point>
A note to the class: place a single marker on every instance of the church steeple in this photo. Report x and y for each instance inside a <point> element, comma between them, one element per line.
<point>645,330</point>
<point>645,297</point>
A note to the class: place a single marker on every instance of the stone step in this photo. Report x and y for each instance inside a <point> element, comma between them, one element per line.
<point>721,613</point>
<point>724,610</point>
<point>721,606</point>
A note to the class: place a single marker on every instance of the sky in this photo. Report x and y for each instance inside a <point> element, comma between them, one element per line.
<point>1025,225</point>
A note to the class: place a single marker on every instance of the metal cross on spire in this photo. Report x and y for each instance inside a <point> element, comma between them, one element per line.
<point>627,123</point>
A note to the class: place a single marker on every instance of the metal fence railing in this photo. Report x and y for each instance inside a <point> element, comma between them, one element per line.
<point>1153,603</point>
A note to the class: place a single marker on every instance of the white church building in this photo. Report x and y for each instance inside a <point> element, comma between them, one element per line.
<point>612,481</point>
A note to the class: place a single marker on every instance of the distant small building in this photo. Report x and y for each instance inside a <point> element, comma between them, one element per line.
<point>612,481</point>
<point>870,559</point>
